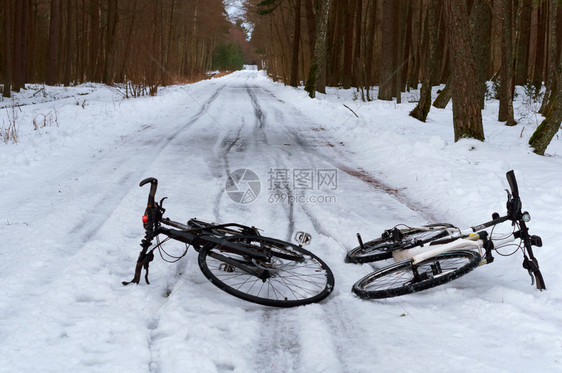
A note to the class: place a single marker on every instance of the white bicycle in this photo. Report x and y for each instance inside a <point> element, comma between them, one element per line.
<point>435,254</point>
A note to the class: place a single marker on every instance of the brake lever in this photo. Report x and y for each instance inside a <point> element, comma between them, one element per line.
<point>527,266</point>
<point>161,205</point>
<point>532,267</point>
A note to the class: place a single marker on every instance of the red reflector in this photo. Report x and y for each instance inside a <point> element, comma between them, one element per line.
<point>144,219</point>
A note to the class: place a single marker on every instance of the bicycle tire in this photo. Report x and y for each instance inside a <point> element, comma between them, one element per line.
<point>399,278</point>
<point>296,279</point>
<point>382,248</point>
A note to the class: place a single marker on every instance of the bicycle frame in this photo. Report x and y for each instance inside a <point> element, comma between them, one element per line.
<point>153,222</point>
<point>237,259</point>
<point>476,238</point>
<point>419,254</point>
<point>465,239</point>
<point>472,242</point>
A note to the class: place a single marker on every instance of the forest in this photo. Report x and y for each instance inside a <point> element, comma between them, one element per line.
<point>396,45</point>
<point>393,45</point>
<point>140,43</point>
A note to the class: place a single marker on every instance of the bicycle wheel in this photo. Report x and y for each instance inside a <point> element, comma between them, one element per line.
<point>404,278</point>
<point>382,248</point>
<point>294,277</point>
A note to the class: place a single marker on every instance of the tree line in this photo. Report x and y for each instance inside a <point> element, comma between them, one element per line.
<point>396,45</point>
<point>145,43</point>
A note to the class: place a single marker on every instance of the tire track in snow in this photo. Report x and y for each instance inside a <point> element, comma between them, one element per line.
<point>280,338</point>
<point>223,168</point>
<point>83,222</point>
<point>260,117</point>
<point>278,351</point>
<point>307,325</point>
<point>86,227</point>
<point>64,265</point>
<point>337,325</point>
<point>259,134</point>
<point>332,322</point>
<point>350,339</point>
<point>111,176</point>
<point>351,170</point>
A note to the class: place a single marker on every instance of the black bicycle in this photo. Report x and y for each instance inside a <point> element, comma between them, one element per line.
<point>435,254</point>
<point>237,259</point>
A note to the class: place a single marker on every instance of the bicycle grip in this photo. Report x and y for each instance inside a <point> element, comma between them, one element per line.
<point>510,175</point>
<point>153,186</point>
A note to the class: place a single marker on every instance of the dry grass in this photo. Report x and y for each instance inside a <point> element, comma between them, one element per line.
<point>9,133</point>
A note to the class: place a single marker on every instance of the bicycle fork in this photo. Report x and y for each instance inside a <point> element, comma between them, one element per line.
<point>144,259</point>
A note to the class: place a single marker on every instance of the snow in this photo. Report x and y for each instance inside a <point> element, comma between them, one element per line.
<point>71,229</point>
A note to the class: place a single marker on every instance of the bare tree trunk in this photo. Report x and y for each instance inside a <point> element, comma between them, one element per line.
<point>386,55</point>
<point>442,72</point>
<point>348,44</point>
<point>521,65</point>
<point>109,41</point>
<point>358,77</point>
<point>310,25</point>
<point>551,124</point>
<point>54,31</point>
<point>370,47</point>
<point>496,36</point>
<point>171,24</point>
<point>415,36</point>
<point>430,35</point>
<point>398,49</point>
<point>7,49</point>
<point>533,36</point>
<point>445,95</point>
<point>81,31</point>
<point>296,43</point>
<point>93,56</point>
<point>31,72</point>
<point>467,116</point>
<point>68,44</point>
<point>506,94</point>
<point>538,71</point>
<point>552,48</point>
<point>19,47</point>
<point>318,66</point>
<point>129,39</point>
<point>480,26</point>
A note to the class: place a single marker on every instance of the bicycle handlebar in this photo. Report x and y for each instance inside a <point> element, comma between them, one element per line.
<point>513,206</point>
<point>153,186</point>
<point>510,175</point>
<point>499,220</point>
<point>514,213</point>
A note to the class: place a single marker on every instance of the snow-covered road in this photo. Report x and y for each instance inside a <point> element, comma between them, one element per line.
<point>71,229</point>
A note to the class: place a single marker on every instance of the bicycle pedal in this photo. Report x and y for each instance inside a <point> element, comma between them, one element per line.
<point>226,268</point>
<point>303,238</point>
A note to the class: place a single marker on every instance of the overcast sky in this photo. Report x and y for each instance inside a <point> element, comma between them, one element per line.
<point>234,8</point>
